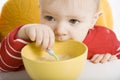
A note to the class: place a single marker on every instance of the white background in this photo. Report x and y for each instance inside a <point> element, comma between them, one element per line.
<point>116,15</point>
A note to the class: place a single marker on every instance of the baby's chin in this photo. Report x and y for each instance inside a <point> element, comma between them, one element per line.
<point>62,38</point>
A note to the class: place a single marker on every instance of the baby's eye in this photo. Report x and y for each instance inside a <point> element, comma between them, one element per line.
<point>49,18</point>
<point>74,21</point>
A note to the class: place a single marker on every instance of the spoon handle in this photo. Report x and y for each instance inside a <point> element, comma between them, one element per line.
<point>51,52</point>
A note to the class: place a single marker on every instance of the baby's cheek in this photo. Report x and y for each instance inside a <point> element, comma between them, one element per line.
<point>76,37</point>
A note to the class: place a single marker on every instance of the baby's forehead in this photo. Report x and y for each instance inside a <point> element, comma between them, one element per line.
<point>71,2</point>
<point>78,6</point>
<point>86,4</point>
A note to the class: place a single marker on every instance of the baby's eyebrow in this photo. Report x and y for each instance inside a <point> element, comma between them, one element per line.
<point>77,17</point>
<point>49,12</point>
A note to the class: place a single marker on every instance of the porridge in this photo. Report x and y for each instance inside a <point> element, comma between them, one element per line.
<point>51,58</point>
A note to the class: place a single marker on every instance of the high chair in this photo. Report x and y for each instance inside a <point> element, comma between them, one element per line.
<point>18,12</point>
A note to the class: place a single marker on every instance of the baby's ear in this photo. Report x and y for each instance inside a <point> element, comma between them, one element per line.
<point>95,17</point>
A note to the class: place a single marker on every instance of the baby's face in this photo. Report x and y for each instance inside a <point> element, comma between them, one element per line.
<point>68,19</point>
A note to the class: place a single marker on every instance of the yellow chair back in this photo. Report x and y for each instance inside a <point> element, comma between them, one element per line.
<point>106,19</point>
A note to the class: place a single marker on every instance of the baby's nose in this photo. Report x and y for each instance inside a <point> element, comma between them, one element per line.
<point>60,33</point>
<point>61,29</point>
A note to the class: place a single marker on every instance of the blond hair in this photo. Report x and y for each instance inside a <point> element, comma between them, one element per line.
<point>47,2</point>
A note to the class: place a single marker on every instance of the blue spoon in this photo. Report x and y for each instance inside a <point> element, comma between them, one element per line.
<point>51,52</point>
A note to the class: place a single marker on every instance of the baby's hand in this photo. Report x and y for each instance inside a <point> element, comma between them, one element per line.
<point>42,34</point>
<point>102,58</point>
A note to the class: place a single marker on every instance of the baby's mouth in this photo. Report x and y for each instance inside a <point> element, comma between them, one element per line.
<point>61,38</point>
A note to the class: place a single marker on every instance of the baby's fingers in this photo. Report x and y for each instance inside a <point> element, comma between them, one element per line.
<point>96,58</point>
<point>30,32</point>
<point>39,37</point>
<point>51,39</point>
<point>105,58</point>
<point>46,39</point>
<point>113,57</point>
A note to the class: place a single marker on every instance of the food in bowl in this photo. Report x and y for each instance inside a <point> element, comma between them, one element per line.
<point>51,58</point>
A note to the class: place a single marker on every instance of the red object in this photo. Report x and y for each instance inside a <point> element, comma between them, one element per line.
<point>100,40</point>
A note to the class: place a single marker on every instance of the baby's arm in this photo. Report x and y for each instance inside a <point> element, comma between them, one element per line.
<point>10,55</point>
<point>104,46</point>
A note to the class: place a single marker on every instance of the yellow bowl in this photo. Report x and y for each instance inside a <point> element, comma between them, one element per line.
<point>68,69</point>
